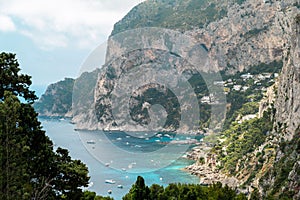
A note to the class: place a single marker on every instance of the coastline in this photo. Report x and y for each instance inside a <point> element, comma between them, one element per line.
<point>207,173</point>
<point>205,167</point>
<point>99,172</point>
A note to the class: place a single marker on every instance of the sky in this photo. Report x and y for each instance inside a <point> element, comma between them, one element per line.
<point>52,38</point>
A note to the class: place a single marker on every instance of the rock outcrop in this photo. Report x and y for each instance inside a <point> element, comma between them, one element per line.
<point>273,166</point>
<point>283,176</point>
<point>248,34</point>
<point>57,100</point>
<point>230,37</point>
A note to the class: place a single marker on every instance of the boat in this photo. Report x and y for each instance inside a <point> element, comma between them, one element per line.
<point>120,186</point>
<point>109,191</point>
<point>90,142</point>
<point>110,181</point>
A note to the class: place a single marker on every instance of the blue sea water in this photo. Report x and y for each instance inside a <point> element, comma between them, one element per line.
<point>122,157</point>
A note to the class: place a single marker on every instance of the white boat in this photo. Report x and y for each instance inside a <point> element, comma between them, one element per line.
<point>90,142</point>
<point>109,191</point>
<point>110,181</point>
<point>120,186</point>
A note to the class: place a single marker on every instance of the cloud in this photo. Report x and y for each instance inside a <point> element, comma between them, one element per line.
<point>63,23</point>
<point>6,24</point>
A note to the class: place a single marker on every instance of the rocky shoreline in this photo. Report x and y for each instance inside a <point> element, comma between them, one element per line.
<point>206,168</point>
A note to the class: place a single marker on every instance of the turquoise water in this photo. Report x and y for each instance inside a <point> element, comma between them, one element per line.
<point>122,157</point>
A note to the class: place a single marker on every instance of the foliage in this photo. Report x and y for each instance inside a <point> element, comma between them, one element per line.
<point>181,192</point>
<point>138,191</point>
<point>11,80</point>
<point>281,169</point>
<point>246,102</point>
<point>57,98</point>
<point>242,139</point>
<point>172,14</point>
<point>30,167</point>
<point>88,195</point>
<point>255,195</point>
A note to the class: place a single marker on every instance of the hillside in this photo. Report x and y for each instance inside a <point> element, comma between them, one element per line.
<point>173,14</point>
<point>236,42</point>
<point>262,154</point>
<point>57,100</point>
<point>252,47</point>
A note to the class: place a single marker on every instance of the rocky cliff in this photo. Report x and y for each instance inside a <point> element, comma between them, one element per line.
<point>271,164</point>
<point>283,176</point>
<point>235,35</point>
<point>232,37</point>
<point>57,100</point>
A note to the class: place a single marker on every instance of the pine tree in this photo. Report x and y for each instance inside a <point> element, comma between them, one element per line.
<point>14,176</point>
<point>30,169</point>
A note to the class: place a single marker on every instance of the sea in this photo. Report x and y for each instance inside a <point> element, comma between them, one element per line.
<point>115,159</point>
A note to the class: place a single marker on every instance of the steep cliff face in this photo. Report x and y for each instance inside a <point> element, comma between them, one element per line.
<point>57,100</point>
<point>283,176</point>
<point>288,101</point>
<point>72,98</point>
<point>236,36</point>
<point>267,158</point>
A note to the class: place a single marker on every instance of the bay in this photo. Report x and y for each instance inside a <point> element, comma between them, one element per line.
<point>122,157</point>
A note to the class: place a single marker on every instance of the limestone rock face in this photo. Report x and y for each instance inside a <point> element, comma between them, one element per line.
<point>278,173</point>
<point>285,168</point>
<point>288,101</point>
<point>249,34</point>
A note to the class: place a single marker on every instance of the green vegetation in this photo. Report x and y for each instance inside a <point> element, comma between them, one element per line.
<point>242,139</point>
<point>281,169</point>
<point>139,191</point>
<point>160,95</point>
<point>63,96</point>
<point>172,14</point>
<point>249,98</point>
<point>30,168</point>
<point>11,80</point>
<point>57,99</point>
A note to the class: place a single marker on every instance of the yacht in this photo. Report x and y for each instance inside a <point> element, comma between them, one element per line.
<point>110,181</point>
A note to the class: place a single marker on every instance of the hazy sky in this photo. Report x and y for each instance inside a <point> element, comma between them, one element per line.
<point>52,38</point>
